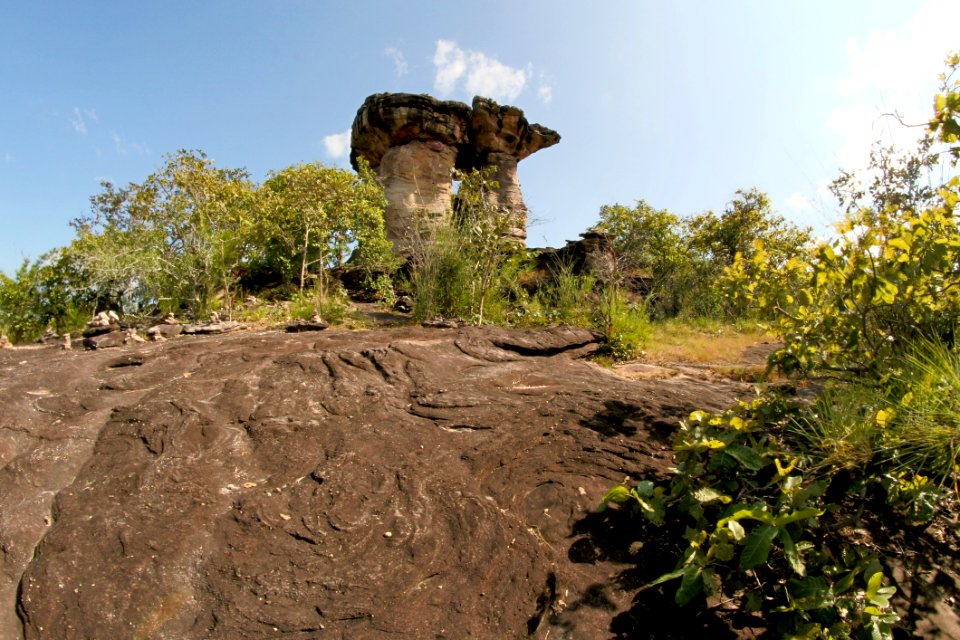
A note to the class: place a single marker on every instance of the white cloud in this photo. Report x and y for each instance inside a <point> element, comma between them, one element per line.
<point>451,63</point>
<point>399,61</point>
<point>77,121</point>
<point>545,92</point>
<point>80,118</point>
<point>482,74</point>
<point>123,147</point>
<point>798,202</point>
<point>892,71</point>
<point>337,144</point>
<point>7,158</point>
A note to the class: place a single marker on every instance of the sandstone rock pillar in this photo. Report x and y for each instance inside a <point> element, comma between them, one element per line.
<point>413,142</point>
<point>500,136</point>
<point>416,179</point>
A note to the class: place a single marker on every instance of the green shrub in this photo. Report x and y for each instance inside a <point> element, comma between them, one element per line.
<point>441,277</point>
<point>924,436</point>
<point>568,298</point>
<point>330,302</point>
<point>749,510</point>
<point>625,324</point>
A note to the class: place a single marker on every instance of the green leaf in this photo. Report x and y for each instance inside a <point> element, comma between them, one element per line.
<point>723,551</point>
<point>712,583</point>
<point>810,593</point>
<point>691,584</point>
<point>618,494</point>
<point>706,495</point>
<point>793,555</point>
<point>746,456</point>
<point>667,577</point>
<point>644,488</point>
<point>757,548</point>
<point>736,529</point>
<point>877,594</point>
<point>843,584</point>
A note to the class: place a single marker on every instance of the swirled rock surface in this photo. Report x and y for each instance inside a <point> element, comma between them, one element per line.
<point>408,482</point>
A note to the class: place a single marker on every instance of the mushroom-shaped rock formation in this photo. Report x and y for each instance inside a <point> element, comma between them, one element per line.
<point>414,141</point>
<point>500,136</point>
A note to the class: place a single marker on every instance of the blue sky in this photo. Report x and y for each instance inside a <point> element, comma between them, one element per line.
<point>678,103</point>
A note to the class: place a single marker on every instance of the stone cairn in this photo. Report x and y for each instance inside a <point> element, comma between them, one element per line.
<point>414,142</point>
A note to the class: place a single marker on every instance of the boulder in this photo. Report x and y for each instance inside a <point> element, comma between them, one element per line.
<point>213,328</point>
<point>99,329</point>
<point>164,331</point>
<point>298,326</point>
<point>108,340</point>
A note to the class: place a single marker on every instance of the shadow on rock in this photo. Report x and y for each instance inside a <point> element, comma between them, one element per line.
<point>616,418</point>
<point>646,552</point>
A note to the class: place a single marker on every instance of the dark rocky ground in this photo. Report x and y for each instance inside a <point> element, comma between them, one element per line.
<point>396,483</point>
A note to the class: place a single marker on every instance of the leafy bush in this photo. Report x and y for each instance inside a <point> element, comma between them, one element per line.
<point>625,324</point>
<point>681,260</point>
<point>567,298</point>
<point>51,291</point>
<point>440,277</point>
<point>750,511</point>
<point>462,269</point>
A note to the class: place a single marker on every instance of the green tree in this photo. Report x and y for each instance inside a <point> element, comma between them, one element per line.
<point>181,235</point>
<point>50,291</point>
<point>650,243</point>
<point>749,217</point>
<point>945,124</point>
<point>315,216</point>
<point>683,260</point>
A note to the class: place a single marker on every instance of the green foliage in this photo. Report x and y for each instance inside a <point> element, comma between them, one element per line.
<point>328,301</point>
<point>312,217</point>
<point>877,308</point>
<point>180,236</point>
<point>652,243</point>
<point>853,304</point>
<point>485,230</point>
<point>923,439</point>
<point>460,269</point>
<point>682,260</point>
<point>750,510</point>
<point>567,298</point>
<point>844,427</point>
<point>945,124</point>
<point>441,277</point>
<point>49,292</point>
<point>625,324</point>
<point>191,232</point>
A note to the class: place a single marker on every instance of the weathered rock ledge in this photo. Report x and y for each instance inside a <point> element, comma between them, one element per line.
<point>408,482</point>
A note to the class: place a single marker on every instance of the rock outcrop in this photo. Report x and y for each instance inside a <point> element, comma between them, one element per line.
<point>500,137</point>
<point>415,141</point>
<point>402,483</point>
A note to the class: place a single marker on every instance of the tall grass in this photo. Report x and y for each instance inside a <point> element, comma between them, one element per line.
<point>926,437</point>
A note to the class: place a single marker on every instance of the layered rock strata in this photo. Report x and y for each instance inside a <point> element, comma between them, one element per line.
<point>415,141</point>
